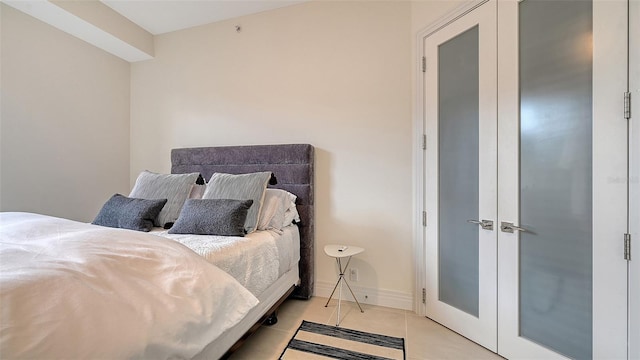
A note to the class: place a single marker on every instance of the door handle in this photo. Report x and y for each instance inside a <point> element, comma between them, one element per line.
<point>510,228</point>
<point>485,224</point>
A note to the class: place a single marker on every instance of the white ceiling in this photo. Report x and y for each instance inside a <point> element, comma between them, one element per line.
<point>162,16</point>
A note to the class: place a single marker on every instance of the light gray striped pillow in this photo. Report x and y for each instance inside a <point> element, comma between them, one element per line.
<point>240,187</point>
<point>173,187</point>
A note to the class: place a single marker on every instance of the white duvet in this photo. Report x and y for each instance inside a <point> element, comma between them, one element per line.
<point>256,260</point>
<point>75,290</point>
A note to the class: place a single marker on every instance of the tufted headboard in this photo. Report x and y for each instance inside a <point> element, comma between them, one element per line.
<point>292,165</point>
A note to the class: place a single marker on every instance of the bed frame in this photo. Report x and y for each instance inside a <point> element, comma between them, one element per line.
<point>292,165</point>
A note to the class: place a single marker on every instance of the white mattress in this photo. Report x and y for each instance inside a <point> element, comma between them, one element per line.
<point>256,260</point>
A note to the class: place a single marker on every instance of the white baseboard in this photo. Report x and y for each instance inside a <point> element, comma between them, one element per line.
<point>373,296</point>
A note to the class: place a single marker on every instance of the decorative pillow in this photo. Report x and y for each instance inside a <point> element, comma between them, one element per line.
<point>129,213</point>
<point>173,187</point>
<point>212,217</point>
<point>276,202</point>
<point>240,187</point>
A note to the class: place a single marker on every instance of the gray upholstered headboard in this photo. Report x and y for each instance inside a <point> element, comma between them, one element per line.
<point>292,165</point>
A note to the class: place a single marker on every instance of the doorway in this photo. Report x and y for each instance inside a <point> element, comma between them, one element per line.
<point>524,219</point>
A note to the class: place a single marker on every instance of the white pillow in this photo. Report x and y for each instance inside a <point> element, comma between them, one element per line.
<point>240,187</point>
<point>197,191</point>
<point>291,212</point>
<point>275,204</point>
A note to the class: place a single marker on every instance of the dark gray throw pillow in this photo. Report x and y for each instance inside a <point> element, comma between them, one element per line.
<point>240,187</point>
<point>129,213</point>
<point>224,217</point>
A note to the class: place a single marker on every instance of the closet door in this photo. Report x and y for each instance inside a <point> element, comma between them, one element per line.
<point>562,169</point>
<point>460,179</point>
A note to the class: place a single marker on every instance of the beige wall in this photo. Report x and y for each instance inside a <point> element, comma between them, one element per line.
<point>64,121</point>
<point>332,74</point>
<point>427,12</point>
<point>337,75</point>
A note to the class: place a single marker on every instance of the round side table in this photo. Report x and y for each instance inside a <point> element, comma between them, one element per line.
<point>339,252</point>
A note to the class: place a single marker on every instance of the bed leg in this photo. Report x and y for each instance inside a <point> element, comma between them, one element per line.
<point>272,319</point>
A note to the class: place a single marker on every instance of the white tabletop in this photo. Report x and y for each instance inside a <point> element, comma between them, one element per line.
<point>332,250</point>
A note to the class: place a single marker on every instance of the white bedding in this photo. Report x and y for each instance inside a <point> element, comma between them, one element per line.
<point>74,290</point>
<point>256,260</point>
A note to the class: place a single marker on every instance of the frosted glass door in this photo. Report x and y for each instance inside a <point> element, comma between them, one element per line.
<point>562,280</point>
<point>555,176</point>
<point>461,175</point>
<point>458,185</point>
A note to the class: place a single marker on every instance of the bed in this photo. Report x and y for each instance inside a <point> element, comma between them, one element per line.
<point>204,326</point>
<point>293,167</point>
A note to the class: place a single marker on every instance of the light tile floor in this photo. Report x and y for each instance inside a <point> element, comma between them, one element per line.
<point>424,339</point>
